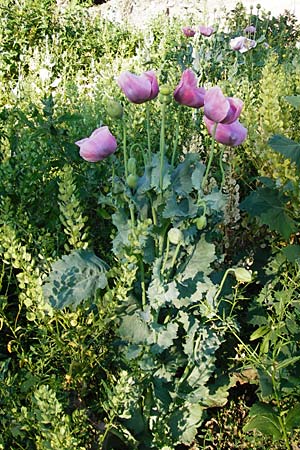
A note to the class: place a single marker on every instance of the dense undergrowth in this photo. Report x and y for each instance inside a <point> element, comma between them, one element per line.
<point>116,331</point>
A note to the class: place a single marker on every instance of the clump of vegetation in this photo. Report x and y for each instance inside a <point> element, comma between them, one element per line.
<point>149,197</point>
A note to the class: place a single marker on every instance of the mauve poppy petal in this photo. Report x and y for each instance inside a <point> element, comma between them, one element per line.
<point>187,93</point>
<point>98,146</point>
<point>232,134</point>
<point>206,31</point>
<point>188,31</point>
<point>216,105</point>
<point>150,75</point>
<point>136,88</point>
<point>235,108</point>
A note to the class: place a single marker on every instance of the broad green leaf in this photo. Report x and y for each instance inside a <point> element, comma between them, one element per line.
<point>267,425</point>
<point>182,182</point>
<point>292,419</point>
<point>293,100</point>
<point>265,384</point>
<point>286,147</point>
<point>165,335</point>
<point>269,205</point>
<point>155,174</point>
<point>185,207</point>
<point>135,330</point>
<point>184,423</point>
<point>291,252</point>
<point>75,278</point>
<point>200,260</point>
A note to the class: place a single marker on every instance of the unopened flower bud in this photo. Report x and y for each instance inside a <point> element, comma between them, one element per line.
<point>175,236</point>
<point>165,89</point>
<point>243,275</point>
<point>132,181</point>
<point>132,166</point>
<point>201,222</point>
<point>114,109</point>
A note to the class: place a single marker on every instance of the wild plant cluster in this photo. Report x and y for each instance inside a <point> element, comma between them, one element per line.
<point>150,255</point>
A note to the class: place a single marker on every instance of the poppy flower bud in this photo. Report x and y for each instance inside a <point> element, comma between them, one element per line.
<point>243,275</point>
<point>114,109</point>
<point>175,236</point>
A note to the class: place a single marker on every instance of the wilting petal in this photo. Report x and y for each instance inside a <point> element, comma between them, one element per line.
<point>237,43</point>
<point>98,146</point>
<point>216,105</point>
<point>187,93</point>
<point>139,88</point>
<point>232,134</point>
<point>242,44</point>
<point>206,31</point>
<point>188,31</point>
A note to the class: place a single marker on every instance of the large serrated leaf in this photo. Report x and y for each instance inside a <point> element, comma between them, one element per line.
<point>286,147</point>
<point>200,261</point>
<point>184,422</point>
<point>182,182</point>
<point>74,278</point>
<point>135,330</point>
<point>270,206</point>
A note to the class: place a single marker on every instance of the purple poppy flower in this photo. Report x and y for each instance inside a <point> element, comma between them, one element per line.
<point>139,88</point>
<point>188,31</point>
<point>232,134</point>
<point>206,31</point>
<point>219,108</point>
<point>187,93</point>
<point>250,29</point>
<point>242,44</point>
<point>98,146</point>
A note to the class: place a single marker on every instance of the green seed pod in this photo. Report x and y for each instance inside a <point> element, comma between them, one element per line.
<point>165,89</point>
<point>201,222</point>
<point>243,275</point>
<point>131,164</point>
<point>114,109</point>
<point>175,236</point>
<point>132,181</point>
<point>166,99</point>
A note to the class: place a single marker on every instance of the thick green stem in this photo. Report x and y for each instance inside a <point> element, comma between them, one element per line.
<point>222,282</point>
<point>143,285</point>
<point>175,141</point>
<point>222,167</point>
<point>162,143</point>
<point>125,147</point>
<point>165,257</point>
<point>211,155</point>
<point>148,130</point>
